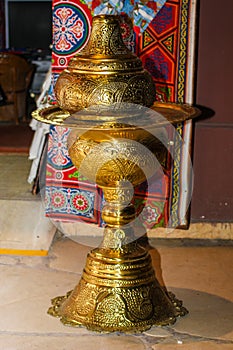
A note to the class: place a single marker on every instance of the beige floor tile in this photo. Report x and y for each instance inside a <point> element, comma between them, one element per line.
<point>72,342</point>
<point>202,278</point>
<point>82,232</point>
<point>207,269</point>
<point>210,316</point>
<point>15,173</point>
<point>158,332</point>
<point>68,255</point>
<point>25,298</point>
<point>197,230</point>
<point>205,345</point>
<point>24,226</point>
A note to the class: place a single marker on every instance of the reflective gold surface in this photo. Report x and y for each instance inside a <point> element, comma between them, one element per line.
<point>103,96</point>
<point>165,112</point>
<point>118,291</point>
<point>104,72</point>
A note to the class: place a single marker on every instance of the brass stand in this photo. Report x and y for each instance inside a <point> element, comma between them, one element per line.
<point>118,290</point>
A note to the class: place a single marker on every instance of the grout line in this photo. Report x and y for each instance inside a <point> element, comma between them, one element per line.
<point>197,338</point>
<point>148,341</point>
<point>47,334</point>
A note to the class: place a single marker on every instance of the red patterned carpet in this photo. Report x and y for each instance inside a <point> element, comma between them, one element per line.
<point>15,138</point>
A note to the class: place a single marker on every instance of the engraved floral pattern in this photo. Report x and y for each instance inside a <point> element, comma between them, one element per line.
<point>69,28</point>
<point>57,151</point>
<point>58,200</point>
<point>80,202</point>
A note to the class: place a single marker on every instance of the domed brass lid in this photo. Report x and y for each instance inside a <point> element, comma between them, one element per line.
<point>105,72</point>
<point>106,52</point>
<point>106,83</point>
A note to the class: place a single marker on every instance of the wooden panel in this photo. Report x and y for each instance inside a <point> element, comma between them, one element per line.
<point>213,174</point>
<point>213,141</point>
<point>215,52</point>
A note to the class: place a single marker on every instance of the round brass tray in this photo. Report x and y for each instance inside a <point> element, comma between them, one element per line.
<point>160,114</point>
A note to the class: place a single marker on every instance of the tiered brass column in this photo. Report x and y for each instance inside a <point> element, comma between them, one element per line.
<point>118,290</point>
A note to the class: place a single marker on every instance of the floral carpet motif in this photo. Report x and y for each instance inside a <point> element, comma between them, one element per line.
<point>162,40</point>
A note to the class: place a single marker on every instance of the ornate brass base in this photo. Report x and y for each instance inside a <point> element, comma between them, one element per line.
<point>118,291</point>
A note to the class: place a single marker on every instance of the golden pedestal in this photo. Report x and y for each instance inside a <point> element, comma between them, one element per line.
<point>118,291</point>
<point>113,143</point>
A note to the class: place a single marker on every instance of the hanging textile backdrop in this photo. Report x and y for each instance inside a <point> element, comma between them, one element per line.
<point>162,34</point>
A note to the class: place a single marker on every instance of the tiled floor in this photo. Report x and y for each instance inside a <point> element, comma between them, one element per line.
<point>200,276</point>
<point>14,172</point>
<point>199,273</point>
<point>23,225</point>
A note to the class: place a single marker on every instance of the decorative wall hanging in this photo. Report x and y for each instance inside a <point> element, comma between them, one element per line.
<point>165,43</point>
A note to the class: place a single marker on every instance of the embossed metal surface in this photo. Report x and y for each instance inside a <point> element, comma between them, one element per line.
<point>118,293</point>
<point>104,72</point>
<point>165,113</point>
<point>118,290</point>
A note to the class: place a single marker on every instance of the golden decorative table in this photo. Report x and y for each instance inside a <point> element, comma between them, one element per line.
<point>107,98</point>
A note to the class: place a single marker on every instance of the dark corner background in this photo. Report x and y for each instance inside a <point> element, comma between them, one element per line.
<point>212,199</point>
